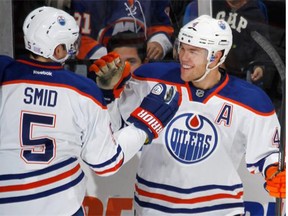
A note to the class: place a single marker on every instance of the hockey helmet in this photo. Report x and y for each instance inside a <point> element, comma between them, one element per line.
<point>208,33</point>
<point>46,27</point>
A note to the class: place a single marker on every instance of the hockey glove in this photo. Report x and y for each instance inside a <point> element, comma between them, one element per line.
<point>156,110</point>
<point>112,75</point>
<point>276,182</point>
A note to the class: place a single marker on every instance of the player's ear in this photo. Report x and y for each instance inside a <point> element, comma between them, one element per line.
<point>216,56</point>
<point>60,52</point>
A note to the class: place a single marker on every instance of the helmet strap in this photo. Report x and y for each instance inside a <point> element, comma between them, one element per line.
<point>207,71</point>
<point>60,60</point>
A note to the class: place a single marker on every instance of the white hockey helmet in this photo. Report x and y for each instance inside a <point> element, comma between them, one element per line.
<point>46,27</point>
<point>208,33</point>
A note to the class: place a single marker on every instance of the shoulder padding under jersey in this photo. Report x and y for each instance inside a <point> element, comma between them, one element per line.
<point>248,95</point>
<point>32,71</point>
<point>83,84</point>
<point>159,71</point>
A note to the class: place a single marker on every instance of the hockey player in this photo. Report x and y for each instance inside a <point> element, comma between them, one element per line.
<point>191,168</point>
<point>50,117</point>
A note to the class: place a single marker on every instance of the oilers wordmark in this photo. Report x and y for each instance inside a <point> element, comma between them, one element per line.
<point>190,144</point>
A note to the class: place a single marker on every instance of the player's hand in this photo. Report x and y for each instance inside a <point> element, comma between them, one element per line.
<point>111,75</point>
<point>156,110</point>
<point>275,182</point>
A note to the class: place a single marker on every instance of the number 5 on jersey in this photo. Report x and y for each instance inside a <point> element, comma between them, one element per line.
<point>40,149</point>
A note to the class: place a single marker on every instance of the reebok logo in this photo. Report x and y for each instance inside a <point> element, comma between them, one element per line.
<point>46,73</point>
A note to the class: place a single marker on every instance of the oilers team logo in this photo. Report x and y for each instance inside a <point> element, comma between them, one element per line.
<point>191,138</point>
<point>221,24</point>
<point>61,20</point>
<point>194,24</point>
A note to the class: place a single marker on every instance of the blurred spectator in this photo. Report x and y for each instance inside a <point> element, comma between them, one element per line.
<point>246,58</point>
<point>277,30</point>
<point>130,46</point>
<point>191,12</point>
<point>101,19</point>
<point>180,13</point>
<point>61,4</point>
<point>277,25</point>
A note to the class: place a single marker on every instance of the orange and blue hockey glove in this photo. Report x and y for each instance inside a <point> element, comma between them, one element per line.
<point>275,181</point>
<point>111,75</point>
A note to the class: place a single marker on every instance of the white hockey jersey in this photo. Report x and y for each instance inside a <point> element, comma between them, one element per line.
<point>50,117</point>
<point>191,168</point>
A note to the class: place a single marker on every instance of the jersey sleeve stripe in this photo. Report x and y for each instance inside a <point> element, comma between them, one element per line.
<point>39,172</point>
<point>111,170</point>
<point>110,165</point>
<point>108,162</point>
<point>43,193</point>
<point>92,51</point>
<point>40,183</point>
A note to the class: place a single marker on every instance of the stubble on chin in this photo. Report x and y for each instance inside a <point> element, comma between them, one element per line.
<point>185,75</point>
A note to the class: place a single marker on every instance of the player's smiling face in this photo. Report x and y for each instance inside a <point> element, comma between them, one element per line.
<point>193,62</point>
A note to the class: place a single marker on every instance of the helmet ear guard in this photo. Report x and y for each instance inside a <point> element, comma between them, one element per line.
<point>212,58</point>
<point>46,27</point>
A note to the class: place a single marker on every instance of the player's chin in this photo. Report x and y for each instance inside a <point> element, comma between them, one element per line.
<point>185,78</point>
<point>185,74</point>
